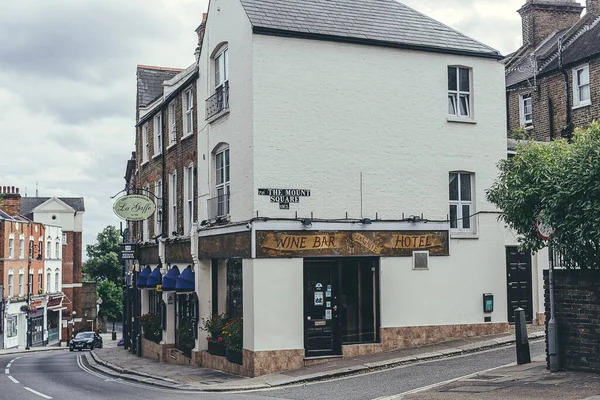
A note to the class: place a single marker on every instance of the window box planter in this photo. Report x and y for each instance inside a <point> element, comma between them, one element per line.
<point>216,348</point>
<point>234,356</point>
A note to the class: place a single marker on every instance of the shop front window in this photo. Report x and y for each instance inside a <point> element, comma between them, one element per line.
<point>235,307</point>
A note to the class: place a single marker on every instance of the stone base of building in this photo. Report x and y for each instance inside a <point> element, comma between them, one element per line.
<point>156,351</point>
<point>257,363</point>
<point>413,336</point>
<point>540,319</point>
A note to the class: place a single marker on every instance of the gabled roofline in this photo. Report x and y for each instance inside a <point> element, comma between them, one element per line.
<point>370,42</point>
<point>49,200</point>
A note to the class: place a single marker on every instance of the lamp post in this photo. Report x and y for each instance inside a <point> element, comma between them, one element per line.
<point>73,314</point>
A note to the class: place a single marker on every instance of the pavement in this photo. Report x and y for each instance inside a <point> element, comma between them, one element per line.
<point>118,362</point>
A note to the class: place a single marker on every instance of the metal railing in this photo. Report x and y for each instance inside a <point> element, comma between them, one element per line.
<point>218,206</point>
<point>218,101</point>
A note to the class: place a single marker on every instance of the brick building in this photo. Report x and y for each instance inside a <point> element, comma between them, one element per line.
<point>22,245</point>
<point>66,213</point>
<point>163,167</point>
<point>553,79</point>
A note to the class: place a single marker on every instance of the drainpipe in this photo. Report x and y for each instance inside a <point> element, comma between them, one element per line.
<point>568,128</point>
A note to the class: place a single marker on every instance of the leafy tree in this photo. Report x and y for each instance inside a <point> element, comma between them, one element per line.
<point>112,300</point>
<point>562,181</point>
<point>103,256</point>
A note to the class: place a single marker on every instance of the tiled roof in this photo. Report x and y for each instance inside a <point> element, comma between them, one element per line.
<point>374,21</point>
<point>585,46</point>
<point>29,203</point>
<point>150,82</point>
<point>581,41</point>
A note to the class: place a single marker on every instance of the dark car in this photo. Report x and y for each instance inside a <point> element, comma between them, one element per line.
<point>86,340</point>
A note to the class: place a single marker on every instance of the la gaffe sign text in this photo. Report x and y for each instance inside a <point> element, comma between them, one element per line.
<point>134,207</point>
<point>342,243</point>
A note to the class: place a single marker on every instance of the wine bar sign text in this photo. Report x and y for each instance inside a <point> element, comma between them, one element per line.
<point>284,196</point>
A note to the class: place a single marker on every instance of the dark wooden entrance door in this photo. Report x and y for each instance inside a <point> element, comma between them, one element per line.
<point>321,320</point>
<point>518,279</point>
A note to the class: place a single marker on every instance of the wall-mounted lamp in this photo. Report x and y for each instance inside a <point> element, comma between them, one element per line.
<point>306,222</point>
<point>414,218</point>
<point>366,221</point>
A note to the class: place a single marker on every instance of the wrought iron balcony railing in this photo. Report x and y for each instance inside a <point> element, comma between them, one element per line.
<point>218,206</point>
<point>218,101</point>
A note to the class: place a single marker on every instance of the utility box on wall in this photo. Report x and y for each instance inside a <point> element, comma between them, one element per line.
<point>488,302</point>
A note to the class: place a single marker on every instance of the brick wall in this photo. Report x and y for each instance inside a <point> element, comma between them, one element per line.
<point>550,92</point>
<point>540,20</point>
<point>176,157</point>
<point>577,310</point>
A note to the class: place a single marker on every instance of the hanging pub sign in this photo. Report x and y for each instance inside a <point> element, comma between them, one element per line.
<point>134,207</point>
<point>127,251</point>
<point>344,243</point>
<point>284,196</point>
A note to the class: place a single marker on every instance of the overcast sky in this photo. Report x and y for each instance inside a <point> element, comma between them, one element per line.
<point>67,83</point>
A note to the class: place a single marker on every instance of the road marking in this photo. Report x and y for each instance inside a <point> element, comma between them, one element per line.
<point>9,364</point>
<point>13,379</point>
<point>7,371</point>
<point>434,385</point>
<point>38,393</point>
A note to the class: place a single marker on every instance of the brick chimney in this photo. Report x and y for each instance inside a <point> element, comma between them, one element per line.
<point>10,200</point>
<point>592,7</point>
<point>542,17</point>
<point>200,32</point>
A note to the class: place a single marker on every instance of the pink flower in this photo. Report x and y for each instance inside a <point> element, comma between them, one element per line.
<point>220,339</point>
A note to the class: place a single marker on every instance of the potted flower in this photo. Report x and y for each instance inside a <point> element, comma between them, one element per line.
<point>28,309</point>
<point>185,338</point>
<point>214,326</point>
<point>151,325</point>
<point>233,334</point>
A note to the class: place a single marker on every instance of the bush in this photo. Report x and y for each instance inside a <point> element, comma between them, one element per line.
<point>186,341</point>
<point>151,325</point>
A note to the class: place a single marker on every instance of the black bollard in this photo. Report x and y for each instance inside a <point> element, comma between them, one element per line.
<point>522,342</point>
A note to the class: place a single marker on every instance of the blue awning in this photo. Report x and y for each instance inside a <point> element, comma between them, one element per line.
<point>186,281</point>
<point>170,279</point>
<point>143,277</point>
<point>155,278</point>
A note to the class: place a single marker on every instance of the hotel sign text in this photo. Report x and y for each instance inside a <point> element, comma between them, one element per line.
<point>343,243</point>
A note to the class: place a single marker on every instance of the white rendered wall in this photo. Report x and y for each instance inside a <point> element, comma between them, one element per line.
<point>227,23</point>
<point>273,304</point>
<point>68,220</point>
<point>54,263</point>
<point>450,292</point>
<point>324,112</point>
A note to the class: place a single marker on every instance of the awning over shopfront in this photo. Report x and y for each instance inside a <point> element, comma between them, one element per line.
<point>170,279</point>
<point>143,277</point>
<point>186,281</point>
<point>155,278</point>
<point>55,302</point>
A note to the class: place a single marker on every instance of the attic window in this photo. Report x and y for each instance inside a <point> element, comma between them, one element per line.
<point>54,217</point>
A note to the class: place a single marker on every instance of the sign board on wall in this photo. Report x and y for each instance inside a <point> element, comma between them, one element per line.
<point>231,245</point>
<point>134,207</point>
<point>344,243</point>
<point>284,196</point>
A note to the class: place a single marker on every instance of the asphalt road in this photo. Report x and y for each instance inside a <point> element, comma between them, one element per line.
<point>61,375</point>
